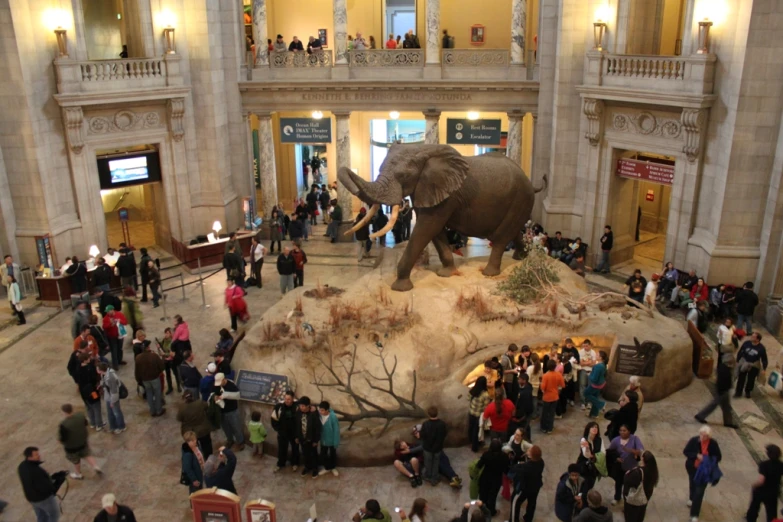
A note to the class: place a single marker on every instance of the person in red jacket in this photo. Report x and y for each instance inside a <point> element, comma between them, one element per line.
<point>236,304</point>
<point>111,326</point>
<point>499,412</point>
<point>699,292</point>
<point>300,258</point>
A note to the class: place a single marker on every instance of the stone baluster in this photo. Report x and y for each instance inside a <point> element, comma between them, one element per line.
<point>344,196</point>
<point>433,32</point>
<point>432,132</point>
<point>514,140</point>
<point>266,156</point>
<point>518,28</point>
<point>340,39</point>
<point>259,21</point>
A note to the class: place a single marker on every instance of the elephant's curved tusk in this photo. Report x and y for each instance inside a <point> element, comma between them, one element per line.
<point>389,225</point>
<point>365,220</point>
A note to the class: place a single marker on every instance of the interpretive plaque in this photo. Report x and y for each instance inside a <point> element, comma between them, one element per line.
<point>263,387</point>
<point>636,359</point>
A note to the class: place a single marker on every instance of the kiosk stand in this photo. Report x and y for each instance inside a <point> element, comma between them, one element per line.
<point>260,511</point>
<point>215,505</point>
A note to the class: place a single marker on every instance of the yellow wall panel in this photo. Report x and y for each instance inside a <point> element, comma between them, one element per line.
<point>458,15</point>
<point>303,20</point>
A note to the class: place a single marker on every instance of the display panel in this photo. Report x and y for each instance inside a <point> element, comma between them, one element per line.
<point>131,169</point>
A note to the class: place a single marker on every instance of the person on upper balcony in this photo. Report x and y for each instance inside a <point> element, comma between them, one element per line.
<point>280,45</point>
<point>359,43</point>
<point>391,43</point>
<point>314,45</point>
<point>296,45</point>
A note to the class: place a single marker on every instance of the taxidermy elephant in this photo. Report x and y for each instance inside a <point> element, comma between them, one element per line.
<point>485,196</point>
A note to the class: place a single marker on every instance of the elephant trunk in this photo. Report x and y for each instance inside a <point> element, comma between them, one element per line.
<point>366,219</point>
<point>386,190</point>
<point>382,232</point>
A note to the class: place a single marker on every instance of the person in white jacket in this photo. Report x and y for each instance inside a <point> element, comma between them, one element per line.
<point>15,298</point>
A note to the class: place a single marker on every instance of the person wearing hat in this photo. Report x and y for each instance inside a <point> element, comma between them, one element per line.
<point>227,396</point>
<point>363,234</point>
<point>208,381</point>
<point>219,470</point>
<point>651,291</point>
<point>280,45</point>
<point>113,512</point>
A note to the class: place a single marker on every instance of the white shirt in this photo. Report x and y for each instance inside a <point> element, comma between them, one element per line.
<point>650,291</point>
<point>585,356</point>
<point>332,194</point>
<point>724,335</point>
<point>259,252</point>
<point>111,260</point>
<point>535,378</point>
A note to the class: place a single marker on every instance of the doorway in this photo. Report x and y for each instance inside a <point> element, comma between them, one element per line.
<point>312,166</point>
<point>146,212</point>
<point>385,133</point>
<point>399,18</point>
<point>640,195</point>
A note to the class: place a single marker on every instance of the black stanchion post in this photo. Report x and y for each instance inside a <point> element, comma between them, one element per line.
<point>182,284</point>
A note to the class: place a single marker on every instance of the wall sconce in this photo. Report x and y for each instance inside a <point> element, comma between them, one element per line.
<point>394,115</point>
<point>168,34</point>
<point>599,28</point>
<point>62,41</point>
<point>704,37</point>
<point>317,115</point>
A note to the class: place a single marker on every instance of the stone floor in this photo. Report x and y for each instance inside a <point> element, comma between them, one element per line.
<point>142,465</point>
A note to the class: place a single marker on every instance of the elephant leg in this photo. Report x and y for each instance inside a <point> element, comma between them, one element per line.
<point>441,243</point>
<point>495,257</point>
<point>427,227</point>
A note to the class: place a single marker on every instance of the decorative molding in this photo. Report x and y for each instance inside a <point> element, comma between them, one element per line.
<point>297,59</point>
<point>594,110</point>
<point>176,111</point>
<point>124,120</point>
<point>73,118</point>
<point>647,124</point>
<point>475,58</point>
<point>386,58</point>
<point>693,121</point>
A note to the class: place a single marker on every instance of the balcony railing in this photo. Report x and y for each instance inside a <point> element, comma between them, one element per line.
<point>75,76</point>
<point>663,74</point>
<point>288,59</point>
<point>386,58</point>
<point>475,58</point>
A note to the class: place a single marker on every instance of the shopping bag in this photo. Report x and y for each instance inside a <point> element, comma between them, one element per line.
<point>775,381</point>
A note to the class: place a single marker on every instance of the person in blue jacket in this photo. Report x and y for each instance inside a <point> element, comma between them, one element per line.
<point>207,385</point>
<point>569,494</point>
<point>191,464</point>
<point>330,438</point>
<point>695,450</point>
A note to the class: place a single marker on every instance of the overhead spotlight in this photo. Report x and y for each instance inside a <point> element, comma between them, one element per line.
<point>394,115</point>
<point>318,115</point>
<point>473,115</point>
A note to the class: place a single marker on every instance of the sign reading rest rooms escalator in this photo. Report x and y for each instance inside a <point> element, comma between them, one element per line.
<point>472,132</point>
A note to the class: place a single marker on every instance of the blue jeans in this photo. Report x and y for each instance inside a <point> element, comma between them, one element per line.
<point>154,397</point>
<point>114,413</point>
<point>745,320</point>
<point>604,264</point>
<point>593,396</point>
<point>286,283</point>
<point>582,377</point>
<point>331,229</point>
<point>115,347</point>
<point>695,494</point>
<point>104,288</point>
<point>47,510</point>
<point>94,414</point>
<point>431,466</point>
<point>232,428</point>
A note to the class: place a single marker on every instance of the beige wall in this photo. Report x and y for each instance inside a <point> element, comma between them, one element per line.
<point>655,214</point>
<point>366,17</point>
<point>458,15</point>
<point>303,20</point>
<point>671,28</point>
<point>103,31</point>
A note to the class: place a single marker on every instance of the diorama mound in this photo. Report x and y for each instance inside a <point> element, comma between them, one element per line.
<point>381,358</point>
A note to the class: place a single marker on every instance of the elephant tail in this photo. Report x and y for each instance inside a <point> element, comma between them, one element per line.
<point>544,184</point>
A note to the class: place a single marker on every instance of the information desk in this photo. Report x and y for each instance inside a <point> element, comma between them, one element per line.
<point>58,289</point>
<point>211,254</point>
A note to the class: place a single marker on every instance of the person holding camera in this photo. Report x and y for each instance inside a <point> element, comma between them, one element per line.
<point>219,470</point>
<point>39,487</point>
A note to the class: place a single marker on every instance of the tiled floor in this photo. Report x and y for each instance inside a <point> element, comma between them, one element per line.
<point>142,465</point>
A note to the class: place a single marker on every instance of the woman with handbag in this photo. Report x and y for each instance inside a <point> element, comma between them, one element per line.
<point>622,456</point>
<point>638,486</point>
<point>15,298</point>
<point>590,445</point>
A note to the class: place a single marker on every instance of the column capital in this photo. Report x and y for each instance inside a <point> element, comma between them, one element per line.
<point>516,114</point>
<point>431,113</point>
<point>341,114</point>
<point>263,115</point>
<point>246,114</point>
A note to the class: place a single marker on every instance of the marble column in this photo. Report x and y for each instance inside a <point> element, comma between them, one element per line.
<point>518,28</point>
<point>259,21</point>
<point>432,132</point>
<point>266,155</point>
<point>514,140</point>
<point>433,32</point>
<point>251,161</point>
<point>138,27</point>
<point>340,35</point>
<point>344,196</point>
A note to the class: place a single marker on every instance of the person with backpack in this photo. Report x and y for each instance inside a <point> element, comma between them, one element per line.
<point>113,391</point>
<point>283,422</point>
<point>39,487</point>
<point>226,395</point>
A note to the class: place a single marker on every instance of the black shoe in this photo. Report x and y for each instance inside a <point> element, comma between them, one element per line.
<point>700,419</point>
<point>143,300</point>
<point>747,395</point>
<point>305,471</point>
<point>419,482</point>
<point>414,483</point>
<point>334,240</point>
<point>123,363</point>
<point>179,389</point>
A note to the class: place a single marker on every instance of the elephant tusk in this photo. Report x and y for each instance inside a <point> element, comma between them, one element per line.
<point>382,232</point>
<point>365,220</point>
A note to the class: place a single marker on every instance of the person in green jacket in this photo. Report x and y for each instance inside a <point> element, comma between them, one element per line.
<point>372,511</point>
<point>257,433</point>
<point>330,438</point>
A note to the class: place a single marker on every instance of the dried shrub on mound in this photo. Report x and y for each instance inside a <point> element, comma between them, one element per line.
<point>476,304</point>
<point>531,280</point>
<point>275,332</point>
<point>340,312</point>
<point>323,292</point>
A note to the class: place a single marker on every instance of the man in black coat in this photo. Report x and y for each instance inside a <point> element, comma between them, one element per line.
<point>126,266</point>
<point>307,426</point>
<point>524,407</point>
<point>38,486</point>
<point>101,276</point>
<point>747,300</point>
<point>283,422</point>
<point>607,242</point>
<point>363,234</point>
<point>725,374</point>
<point>78,273</point>
<point>107,298</point>
<point>145,279</point>
<point>111,509</point>
<point>234,266</point>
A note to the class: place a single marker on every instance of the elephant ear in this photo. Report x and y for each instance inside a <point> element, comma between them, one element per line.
<point>442,174</point>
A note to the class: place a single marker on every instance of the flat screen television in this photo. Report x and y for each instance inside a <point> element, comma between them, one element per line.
<point>128,169</point>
